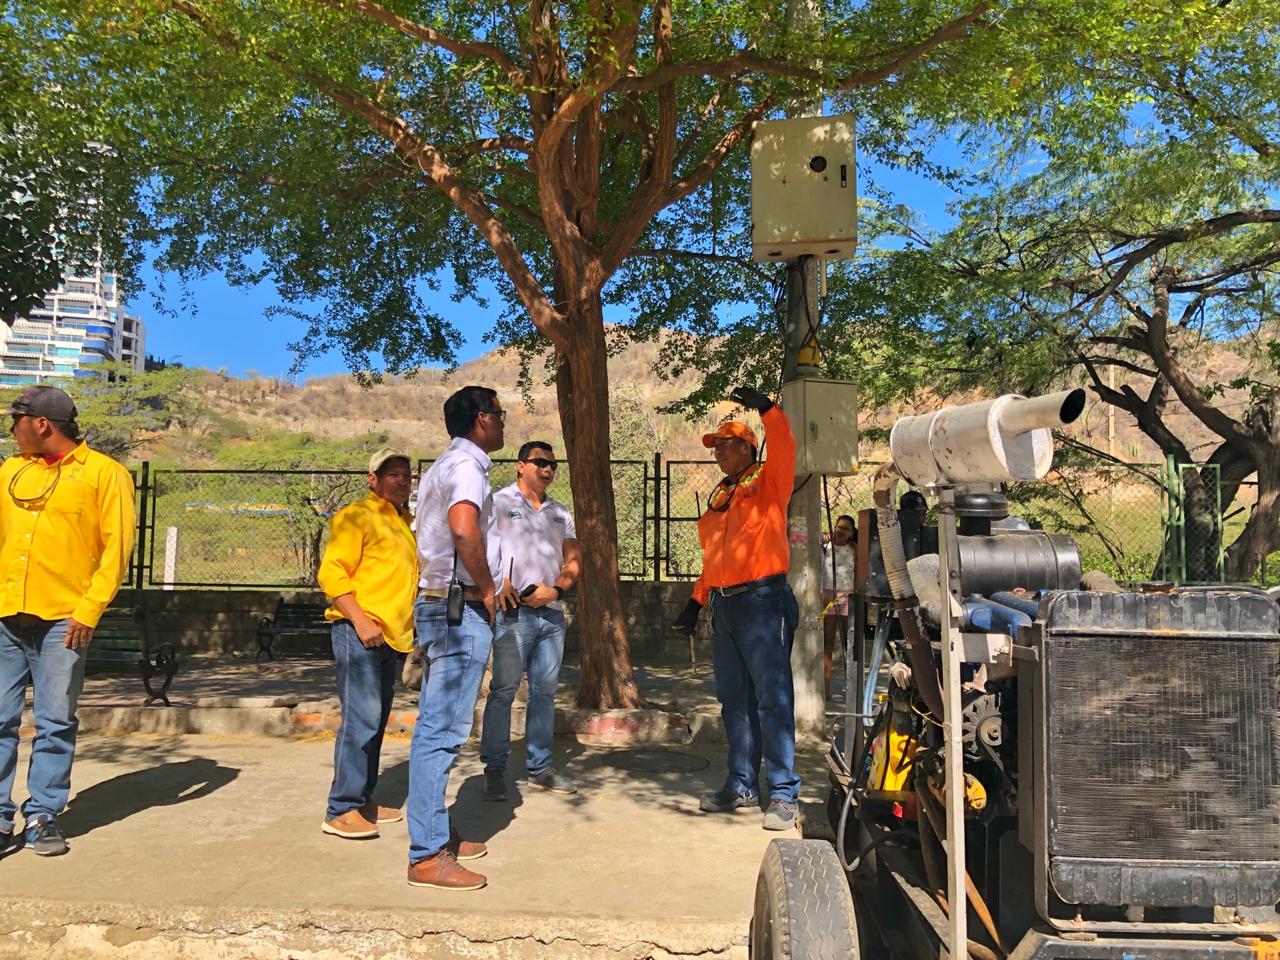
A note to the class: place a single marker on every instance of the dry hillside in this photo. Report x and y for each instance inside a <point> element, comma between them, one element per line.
<point>408,409</point>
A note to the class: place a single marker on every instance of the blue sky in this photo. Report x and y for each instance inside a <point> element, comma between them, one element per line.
<point>230,328</point>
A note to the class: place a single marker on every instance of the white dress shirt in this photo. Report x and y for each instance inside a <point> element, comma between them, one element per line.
<point>532,539</point>
<point>461,475</point>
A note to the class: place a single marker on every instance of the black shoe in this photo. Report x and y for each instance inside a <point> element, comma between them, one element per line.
<point>781,815</point>
<point>725,800</point>
<point>41,836</point>
<point>8,844</point>
<point>548,779</point>
<point>495,784</point>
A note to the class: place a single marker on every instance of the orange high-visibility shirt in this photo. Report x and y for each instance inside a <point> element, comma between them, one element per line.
<point>749,539</point>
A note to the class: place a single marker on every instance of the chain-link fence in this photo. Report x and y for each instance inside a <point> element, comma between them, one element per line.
<point>241,527</point>
<point>1113,513</point>
<point>269,528</point>
<point>252,528</point>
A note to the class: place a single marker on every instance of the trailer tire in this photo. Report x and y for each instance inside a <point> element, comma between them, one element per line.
<point>803,910</point>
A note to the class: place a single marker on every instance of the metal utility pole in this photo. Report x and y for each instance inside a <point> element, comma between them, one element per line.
<point>804,515</point>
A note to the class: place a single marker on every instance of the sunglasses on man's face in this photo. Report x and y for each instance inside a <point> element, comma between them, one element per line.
<point>500,414</point>
<point>542,463</point>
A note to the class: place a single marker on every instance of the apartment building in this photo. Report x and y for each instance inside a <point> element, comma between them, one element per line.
<point>81,324</point>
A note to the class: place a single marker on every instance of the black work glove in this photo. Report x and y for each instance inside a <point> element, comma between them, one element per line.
<point>687,622</point>
<point>752,399</point>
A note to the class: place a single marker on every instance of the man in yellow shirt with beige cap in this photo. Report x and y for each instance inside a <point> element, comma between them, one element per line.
<point>370,575</point>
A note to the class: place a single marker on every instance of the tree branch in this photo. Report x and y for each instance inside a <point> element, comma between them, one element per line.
<point>490,144</point>
<point>747,61</point>
<point>611,51</point>
<point>662,253</point>
<point>1124,264</point>
<point>520,210</point>
<point>716,155</point>
<point>418,31</point>
<point>1203,281</point>
<point>428,159</point>
<point>647,200</point>
<point>1188,392</point>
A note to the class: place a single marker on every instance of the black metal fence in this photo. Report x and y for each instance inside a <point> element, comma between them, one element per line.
<point>268,528</point>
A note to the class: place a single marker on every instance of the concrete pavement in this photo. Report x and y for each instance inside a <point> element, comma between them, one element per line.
<point>210,847</point>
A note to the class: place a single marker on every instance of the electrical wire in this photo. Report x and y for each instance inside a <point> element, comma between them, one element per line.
<point>854,773</point>
<point>894,836</point>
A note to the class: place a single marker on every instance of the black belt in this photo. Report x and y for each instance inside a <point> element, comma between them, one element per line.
<point>469,592</point>
<point>738,588</point>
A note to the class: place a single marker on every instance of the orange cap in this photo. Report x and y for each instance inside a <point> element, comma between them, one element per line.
<point>730,428</point>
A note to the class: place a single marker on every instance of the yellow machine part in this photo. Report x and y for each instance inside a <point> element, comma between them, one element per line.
<point>975,794</point>
<point>893,752</point>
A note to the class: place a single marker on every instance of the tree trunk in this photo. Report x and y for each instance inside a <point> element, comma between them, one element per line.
<point>1261,534</point>
<point>1202,528</point>
<point>1200,534</point>
<point>582,387</point>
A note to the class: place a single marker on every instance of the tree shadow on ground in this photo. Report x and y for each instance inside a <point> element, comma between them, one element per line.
<point>668,777</point>
<point>160,786</point>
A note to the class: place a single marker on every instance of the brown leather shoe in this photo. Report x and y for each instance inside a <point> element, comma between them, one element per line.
<point>443,872</point>
<point>465,849</point>
<point>376,814</point>
<point>350,826</point>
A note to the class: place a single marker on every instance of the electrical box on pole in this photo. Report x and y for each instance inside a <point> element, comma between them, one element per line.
<point>804,197</point>
<point>824,419</point>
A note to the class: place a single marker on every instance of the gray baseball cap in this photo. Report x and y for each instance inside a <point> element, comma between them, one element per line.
<point>48,402</point>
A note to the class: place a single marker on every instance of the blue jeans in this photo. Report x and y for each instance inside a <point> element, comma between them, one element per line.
<point>34,650</point>
<point>366,684</point>
<point>454,661</point>
<point>751,639</point>
<point>533,642</point>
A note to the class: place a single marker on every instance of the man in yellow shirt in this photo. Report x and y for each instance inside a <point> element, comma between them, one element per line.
<point>67,525</point>
<point>370,575</point>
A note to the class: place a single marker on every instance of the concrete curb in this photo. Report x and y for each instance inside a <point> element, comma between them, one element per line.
<point>128,931</point>
<point>291,717</point>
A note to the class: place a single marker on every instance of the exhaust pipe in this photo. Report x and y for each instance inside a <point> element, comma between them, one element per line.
<point>1053,410</point>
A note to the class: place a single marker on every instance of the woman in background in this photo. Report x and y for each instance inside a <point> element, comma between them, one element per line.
<point>837,584</point>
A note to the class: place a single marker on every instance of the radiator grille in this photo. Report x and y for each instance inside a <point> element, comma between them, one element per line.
<point>1164,747</point>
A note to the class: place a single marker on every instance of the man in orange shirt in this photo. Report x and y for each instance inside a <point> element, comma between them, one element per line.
<point>745,556</point>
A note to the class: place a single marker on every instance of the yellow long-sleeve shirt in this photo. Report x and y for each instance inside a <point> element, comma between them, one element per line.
<point>66,534</point>
<point>372,554</point>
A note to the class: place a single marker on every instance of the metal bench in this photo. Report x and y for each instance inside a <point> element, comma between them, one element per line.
<point>291,620</point>
<point>120,638</point>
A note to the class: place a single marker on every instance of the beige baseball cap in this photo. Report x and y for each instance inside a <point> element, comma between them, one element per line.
<point>385,454</point>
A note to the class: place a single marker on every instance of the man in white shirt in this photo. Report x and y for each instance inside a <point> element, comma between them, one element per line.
<point>456,540</point>
<point>541,560</point>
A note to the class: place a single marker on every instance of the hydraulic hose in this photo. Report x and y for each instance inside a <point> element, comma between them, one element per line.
<point>878,647</point>
<point>923,668</point>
